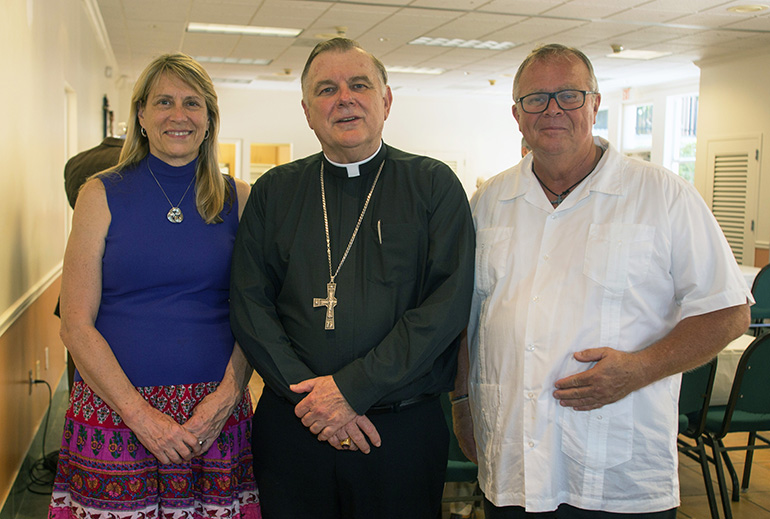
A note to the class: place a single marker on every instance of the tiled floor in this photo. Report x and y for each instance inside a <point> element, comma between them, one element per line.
<point>754,504</point>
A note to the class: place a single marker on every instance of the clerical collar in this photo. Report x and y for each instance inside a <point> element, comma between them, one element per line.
<point>353,168</point>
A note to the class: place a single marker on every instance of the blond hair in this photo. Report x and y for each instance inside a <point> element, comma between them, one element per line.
<point>211,189</point>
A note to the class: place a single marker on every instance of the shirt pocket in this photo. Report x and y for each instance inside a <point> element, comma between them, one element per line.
<point>601,438</point>
<point>618,255</point>
<point>492,260</point>
<point>393,253</point>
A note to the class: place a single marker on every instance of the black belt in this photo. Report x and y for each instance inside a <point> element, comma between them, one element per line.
<point>400,406</point>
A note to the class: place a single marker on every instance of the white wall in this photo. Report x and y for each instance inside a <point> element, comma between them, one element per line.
<point>734,103</point>
<point>47,46</point>
<point>479,132</point>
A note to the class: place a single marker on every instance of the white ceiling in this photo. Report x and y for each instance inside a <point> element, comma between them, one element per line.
<point>690,30</point>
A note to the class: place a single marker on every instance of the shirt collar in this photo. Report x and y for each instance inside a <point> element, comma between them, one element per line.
<point>354,169</point>
<point>608,176</point>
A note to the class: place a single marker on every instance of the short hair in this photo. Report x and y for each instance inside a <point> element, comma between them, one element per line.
<point>553,51</point>
<point>525,144</point>
<point>340,45</point>
<point>210,188</point>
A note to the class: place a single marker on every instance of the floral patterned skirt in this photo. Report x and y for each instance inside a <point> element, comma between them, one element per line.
<point>104,472</point>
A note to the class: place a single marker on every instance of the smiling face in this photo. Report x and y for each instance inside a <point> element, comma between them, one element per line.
<point>556,131</point>
<point>346,104</point>
<point>175,118</point>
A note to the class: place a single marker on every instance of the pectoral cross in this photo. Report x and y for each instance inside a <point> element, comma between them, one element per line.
<point>330,302</point>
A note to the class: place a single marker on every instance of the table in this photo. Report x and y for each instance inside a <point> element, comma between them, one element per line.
<point>727,362</point>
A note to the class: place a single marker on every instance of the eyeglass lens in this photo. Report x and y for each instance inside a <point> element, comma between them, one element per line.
<point>566,99</point>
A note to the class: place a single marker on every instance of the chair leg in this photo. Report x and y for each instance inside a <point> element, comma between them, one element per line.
<point>716,446</point>
<point>731,471</point>
<point>749,459</point>
<point>700,447</point>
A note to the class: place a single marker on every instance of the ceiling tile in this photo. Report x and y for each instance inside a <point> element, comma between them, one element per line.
<point>139,30</point>
<point>229,14</point>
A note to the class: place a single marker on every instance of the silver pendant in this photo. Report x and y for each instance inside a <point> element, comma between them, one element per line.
<point>175,215</point>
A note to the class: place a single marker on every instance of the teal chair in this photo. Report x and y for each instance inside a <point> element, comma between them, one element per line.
<point>694,398</point>
<point>459,469</point>
<point>747,410</point>
<point>760,289</point>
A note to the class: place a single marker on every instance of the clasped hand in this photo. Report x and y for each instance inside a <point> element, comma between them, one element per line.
<point>172,442</point>
<point>615,375</point>
<point>326,413</point>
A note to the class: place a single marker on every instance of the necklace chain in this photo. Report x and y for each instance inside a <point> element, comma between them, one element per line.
<point>174,214</point>
<point>355,231</point>
<point>559,197</point>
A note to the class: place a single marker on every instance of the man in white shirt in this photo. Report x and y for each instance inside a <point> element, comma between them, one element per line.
<point>598,280</point>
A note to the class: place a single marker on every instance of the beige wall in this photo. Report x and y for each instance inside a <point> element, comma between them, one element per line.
<point>734,104</point>
<point>22,347</point>
<point>48,47</point>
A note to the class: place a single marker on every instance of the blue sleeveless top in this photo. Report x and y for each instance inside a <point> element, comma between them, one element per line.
<point>165,286</point>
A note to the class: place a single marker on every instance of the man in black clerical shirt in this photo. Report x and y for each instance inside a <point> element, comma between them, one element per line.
<point>351,282</point>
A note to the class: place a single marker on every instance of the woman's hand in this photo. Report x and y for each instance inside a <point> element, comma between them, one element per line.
<point>210,416</point>
<point>164,437</point>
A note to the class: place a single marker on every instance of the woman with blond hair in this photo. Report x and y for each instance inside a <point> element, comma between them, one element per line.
<point>159,416</point>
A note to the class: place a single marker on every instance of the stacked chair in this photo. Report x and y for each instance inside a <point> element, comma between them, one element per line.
<point>694,400</point>
<point>747,410</point>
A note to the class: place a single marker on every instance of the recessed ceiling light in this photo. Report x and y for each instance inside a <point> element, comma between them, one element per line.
<point>743,9</point>
<point>637,54</point>
<point>416,70</point>
<point>231,80</point>
<point>242,29</point>
<point>463,44</point>
<point>232,61</point>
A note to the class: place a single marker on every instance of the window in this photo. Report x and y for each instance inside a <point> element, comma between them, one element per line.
<point>637,130</point>
<point>644,120</point>
<point>601,127</point>
<point>681,135</point>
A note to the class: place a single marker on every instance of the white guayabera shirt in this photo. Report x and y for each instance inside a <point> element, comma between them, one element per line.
<point>627,255</point>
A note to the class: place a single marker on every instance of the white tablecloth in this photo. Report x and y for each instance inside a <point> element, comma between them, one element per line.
<point>727,362</point>
<point>749,273</point>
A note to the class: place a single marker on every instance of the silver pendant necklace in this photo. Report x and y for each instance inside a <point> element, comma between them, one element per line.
<point>331,287</point>
<point>174,214</point>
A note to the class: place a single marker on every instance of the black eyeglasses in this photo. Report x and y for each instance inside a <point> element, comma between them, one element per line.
<point>566,100</point>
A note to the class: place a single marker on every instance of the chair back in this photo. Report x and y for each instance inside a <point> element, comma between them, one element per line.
<point>694,398</point>
<point>750,395</point>
<point>760,289</point>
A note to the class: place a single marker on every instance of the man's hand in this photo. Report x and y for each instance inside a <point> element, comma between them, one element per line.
<point>324,410</point>
<point>615,375</point>
<point>355,430</point>
<point>462,422</point>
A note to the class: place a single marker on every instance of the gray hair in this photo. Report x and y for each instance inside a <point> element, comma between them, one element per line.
<point>553,51</point>
<point>340,45</point>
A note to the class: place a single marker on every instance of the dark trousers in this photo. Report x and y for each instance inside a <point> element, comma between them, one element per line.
<point>299,477</point>
<point>566,512</point>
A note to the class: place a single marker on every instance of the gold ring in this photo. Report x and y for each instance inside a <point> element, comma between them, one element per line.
<point>346,443</point>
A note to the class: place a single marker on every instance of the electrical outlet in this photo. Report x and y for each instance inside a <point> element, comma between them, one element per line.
<point>30,382</point>
<point>37,370</point>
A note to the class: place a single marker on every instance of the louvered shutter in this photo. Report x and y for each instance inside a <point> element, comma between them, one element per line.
<point>733,171</point>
